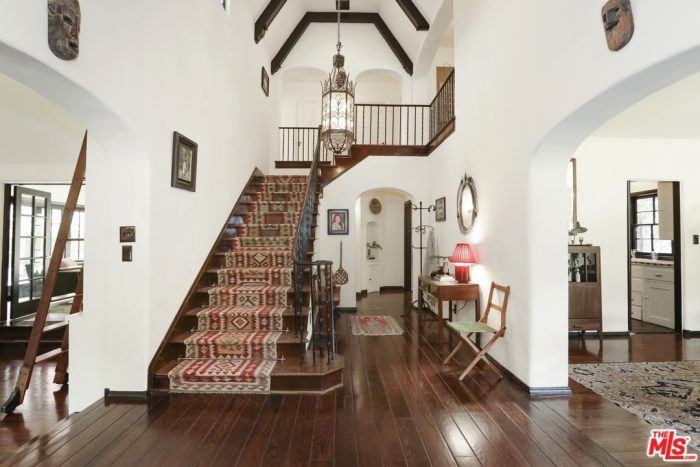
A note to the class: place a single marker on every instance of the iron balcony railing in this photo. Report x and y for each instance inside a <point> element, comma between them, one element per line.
<point>298,144</point>
<point>379,124</point>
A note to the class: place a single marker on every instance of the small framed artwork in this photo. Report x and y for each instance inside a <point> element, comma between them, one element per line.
<point>184,170</point>
<point>440,214</point>
<point>265,82</point>
<point>127,234</point>
<point>338,222</point>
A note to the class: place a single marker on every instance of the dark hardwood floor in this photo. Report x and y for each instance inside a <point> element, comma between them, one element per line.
<point>643,327</point>
<point>399,406</point>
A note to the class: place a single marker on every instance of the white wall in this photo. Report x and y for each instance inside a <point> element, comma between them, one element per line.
<point>131,91</point>
<point>604,166</point>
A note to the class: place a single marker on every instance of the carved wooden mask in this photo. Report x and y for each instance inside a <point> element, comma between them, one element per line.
<point>64,28</point>
<point>618,23</point>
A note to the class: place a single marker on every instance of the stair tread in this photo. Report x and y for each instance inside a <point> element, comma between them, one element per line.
<point>284,338</point>
<point>243,287</point>
<point>288,311</point>
<point>287,367</point>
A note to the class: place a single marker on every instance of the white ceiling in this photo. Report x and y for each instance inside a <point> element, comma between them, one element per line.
<point>671,113</point>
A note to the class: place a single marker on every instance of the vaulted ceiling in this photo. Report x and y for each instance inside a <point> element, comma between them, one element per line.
<point>402,24</point>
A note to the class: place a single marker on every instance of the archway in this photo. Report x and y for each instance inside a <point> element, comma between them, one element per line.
<point>547,213</point>
<point>114,153</point>
<point>380,241</point>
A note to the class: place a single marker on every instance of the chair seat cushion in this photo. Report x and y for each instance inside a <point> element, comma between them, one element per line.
<point>471,327</point>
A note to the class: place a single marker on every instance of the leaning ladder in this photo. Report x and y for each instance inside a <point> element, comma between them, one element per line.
<point>39,328</point>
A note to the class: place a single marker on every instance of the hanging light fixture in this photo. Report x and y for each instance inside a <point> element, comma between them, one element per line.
<point>338,105</point>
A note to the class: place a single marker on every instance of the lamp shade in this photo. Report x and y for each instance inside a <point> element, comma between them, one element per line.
<point>463,254</point>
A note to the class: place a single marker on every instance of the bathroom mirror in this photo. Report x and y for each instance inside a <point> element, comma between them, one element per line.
<point>467,209</point>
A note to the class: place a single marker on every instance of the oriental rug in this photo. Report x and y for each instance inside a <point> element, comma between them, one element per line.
<point>375,326</point>
<point>665,394</point>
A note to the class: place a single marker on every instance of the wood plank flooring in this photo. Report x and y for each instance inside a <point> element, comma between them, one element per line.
<point>399,406</point>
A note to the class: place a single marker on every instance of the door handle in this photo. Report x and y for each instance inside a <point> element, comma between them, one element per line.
<point>659,275</point>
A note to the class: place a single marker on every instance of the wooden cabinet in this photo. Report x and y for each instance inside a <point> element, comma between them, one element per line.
<point>653,294</point>
<point>373,276</point>
<point>585,305</point>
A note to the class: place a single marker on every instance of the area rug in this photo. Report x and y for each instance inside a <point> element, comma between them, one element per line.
<point>665,394</point>
<point>375,326</point>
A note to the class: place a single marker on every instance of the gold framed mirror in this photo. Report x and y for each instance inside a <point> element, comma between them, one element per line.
<point>467,207</point>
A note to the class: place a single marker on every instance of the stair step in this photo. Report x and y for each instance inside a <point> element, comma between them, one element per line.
<point>49,355</point>
<point>261,242</point>
<point>290,375</point>
<point>278,196</point>
<point>287,345</point>
<point>248,296</point>
<point>241,319</point>
<point>288,317</point>
<point>53,327</point>
<point>266,230</point>
<point>254,276</point>
<point>271,217</point>
<point>273,206</point>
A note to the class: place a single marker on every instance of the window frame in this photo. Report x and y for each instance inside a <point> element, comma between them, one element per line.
<point>654,195</point>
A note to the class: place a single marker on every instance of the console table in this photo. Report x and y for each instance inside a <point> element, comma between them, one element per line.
<point>446,291</point>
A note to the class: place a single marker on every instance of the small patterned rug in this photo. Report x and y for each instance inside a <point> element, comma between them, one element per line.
<point>665,394</point>
<point>375,326</point>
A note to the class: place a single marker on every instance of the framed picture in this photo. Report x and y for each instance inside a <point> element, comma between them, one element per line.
<point>338,221</point>
<point>184,171</point>
<point>440,209</point>
<point>265,82</point>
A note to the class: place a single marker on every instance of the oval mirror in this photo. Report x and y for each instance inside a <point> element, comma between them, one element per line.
<point>466,204</point>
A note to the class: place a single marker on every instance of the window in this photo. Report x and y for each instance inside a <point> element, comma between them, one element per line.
<point>645,227</point>
<point>75,245</point>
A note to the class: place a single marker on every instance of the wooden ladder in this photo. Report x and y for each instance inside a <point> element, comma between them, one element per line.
<point>39,327</point>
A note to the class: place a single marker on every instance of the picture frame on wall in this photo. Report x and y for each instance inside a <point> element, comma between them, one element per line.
<point>338,221</point>
<point>440,214</point>
<point>265,82</point>
<point>184,165</point>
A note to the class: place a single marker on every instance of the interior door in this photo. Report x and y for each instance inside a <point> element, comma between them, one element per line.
<point>407,248</point>
<point>31,238</point>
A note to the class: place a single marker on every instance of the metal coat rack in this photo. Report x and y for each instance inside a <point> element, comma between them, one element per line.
<point>420,229</point>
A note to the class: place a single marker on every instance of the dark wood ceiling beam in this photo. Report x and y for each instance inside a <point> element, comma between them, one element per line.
<point>348,18</point>
<point>414,14</point>
<point>262,24</point>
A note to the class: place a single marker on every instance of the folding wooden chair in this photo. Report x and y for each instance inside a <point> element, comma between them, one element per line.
<point>467,329</point>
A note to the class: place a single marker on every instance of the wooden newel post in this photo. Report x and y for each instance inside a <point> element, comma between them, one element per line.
<point>30,357</point>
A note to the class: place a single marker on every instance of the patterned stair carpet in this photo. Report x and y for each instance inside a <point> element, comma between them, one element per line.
<point>234,348</point>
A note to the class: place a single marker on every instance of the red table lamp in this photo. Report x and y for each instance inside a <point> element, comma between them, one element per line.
<point>463,256</point>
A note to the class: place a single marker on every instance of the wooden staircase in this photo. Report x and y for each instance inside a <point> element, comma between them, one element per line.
<point>295,370</point>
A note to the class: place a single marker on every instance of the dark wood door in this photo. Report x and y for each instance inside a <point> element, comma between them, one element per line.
<point>31,242</point>
<point>407,248</point>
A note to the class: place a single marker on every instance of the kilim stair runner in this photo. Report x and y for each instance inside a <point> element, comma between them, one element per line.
<point>234,348</point>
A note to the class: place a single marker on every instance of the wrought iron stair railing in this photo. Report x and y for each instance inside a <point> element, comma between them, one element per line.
<point>318,331</point>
